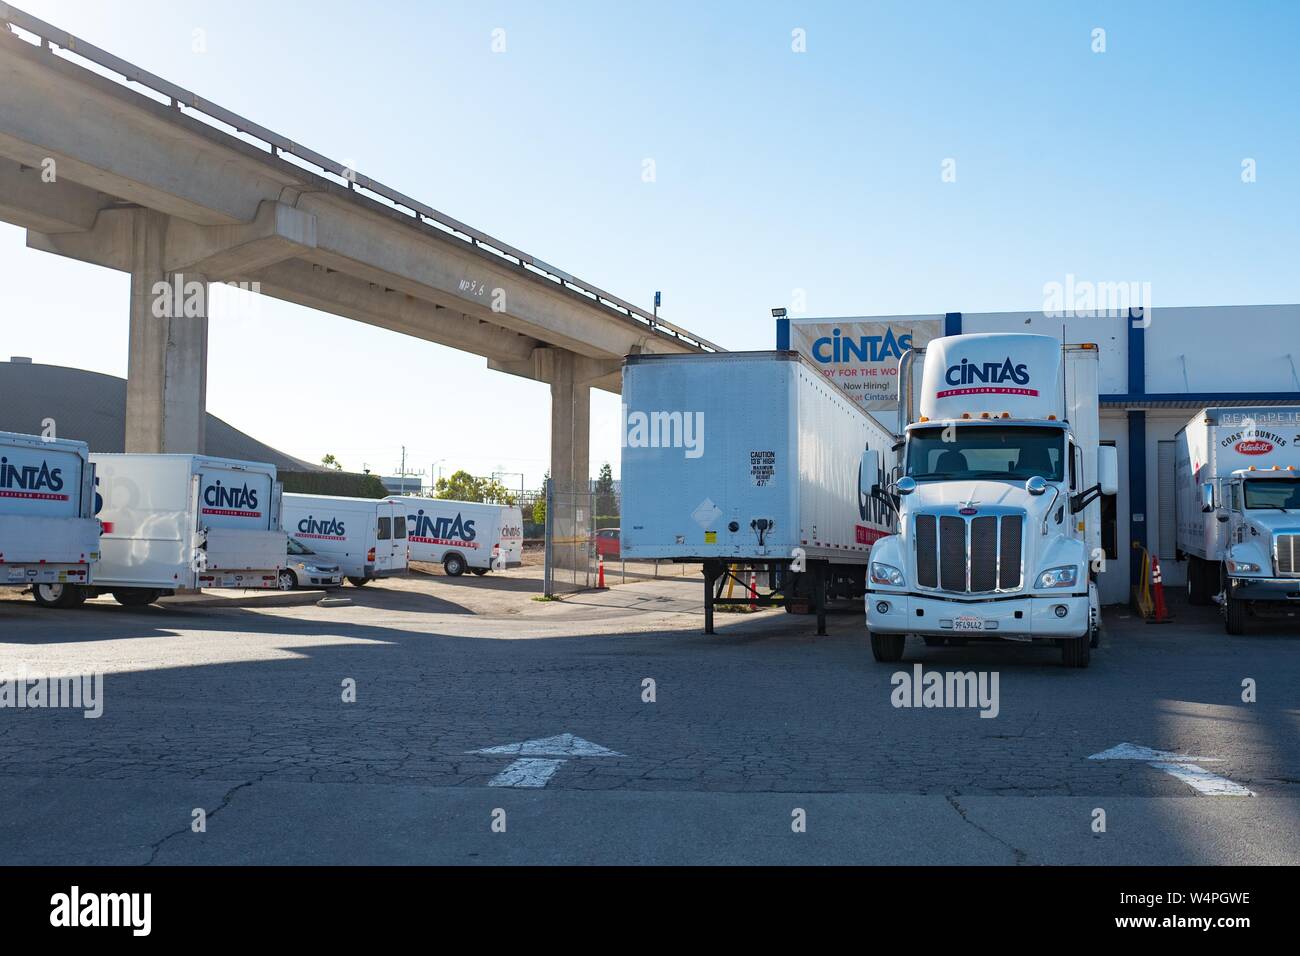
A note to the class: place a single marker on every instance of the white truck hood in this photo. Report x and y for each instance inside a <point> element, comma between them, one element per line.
<point>957,494</point>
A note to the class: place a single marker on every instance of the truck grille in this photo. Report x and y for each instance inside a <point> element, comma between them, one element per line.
<point>973,556</point>
<point>1286,549</point>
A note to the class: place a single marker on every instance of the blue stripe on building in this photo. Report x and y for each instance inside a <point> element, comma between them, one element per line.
<point>1137,443</point>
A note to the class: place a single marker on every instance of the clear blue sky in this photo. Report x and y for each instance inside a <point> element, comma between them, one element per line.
<point>775,171</point>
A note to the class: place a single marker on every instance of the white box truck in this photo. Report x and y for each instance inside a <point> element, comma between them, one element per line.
<point>1237,511</point>
<point>463,535</point>
<point>998,497</point>
<point>754,459</point>
<point>366,537</point>
<point>49,536</point>
<point>185,521</point>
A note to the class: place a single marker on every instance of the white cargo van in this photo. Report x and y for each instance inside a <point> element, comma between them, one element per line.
<point>1237,511</point>
<point>752,458</point>
<point>999,518</point>
<point>49,536</point>
<point>185,521</point>
<point>366,537</point>
<point>464,535</point>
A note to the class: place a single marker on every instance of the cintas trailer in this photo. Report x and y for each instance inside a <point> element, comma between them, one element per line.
<point>173,522</point>
<point>752,459</point>
<point>49,537</point>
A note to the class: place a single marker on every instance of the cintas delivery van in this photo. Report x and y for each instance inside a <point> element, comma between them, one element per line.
<point>49,536</point>
<point>184,521</point>
<point>755,459</point>
<point>1237,511</point>
<point>997,498</point>
<point>366,537</point>
<point>463,535</point>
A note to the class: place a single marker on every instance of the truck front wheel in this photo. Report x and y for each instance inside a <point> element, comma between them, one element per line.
<point>1235,614</point>
<point>453,565</point>
<point>1077,651</point>
<point>59,595</point>
<point>888,648</point>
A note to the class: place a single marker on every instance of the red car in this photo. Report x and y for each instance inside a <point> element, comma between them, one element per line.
<point>607,543</point>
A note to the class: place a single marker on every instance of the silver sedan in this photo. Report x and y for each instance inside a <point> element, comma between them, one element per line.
<point>307,569</point>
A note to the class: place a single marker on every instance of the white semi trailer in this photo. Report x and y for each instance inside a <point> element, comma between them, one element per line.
<point>49,536</point>
<point>999,523</point>
<point>753,459</point>
<point>183,521</point>
<point>1237,511</point>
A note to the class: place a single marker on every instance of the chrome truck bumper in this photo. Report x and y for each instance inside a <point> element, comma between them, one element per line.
<point>1016,619</point>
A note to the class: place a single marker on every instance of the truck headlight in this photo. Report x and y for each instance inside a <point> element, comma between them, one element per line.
<point>1242,567</point>
<point>1063,577</point>
<point>887,574</point>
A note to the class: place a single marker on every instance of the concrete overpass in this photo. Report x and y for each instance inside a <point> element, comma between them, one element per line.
<point>150,179</point>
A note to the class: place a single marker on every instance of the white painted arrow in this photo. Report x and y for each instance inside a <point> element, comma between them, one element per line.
<point>1183,766</point>
<point>537,765</point>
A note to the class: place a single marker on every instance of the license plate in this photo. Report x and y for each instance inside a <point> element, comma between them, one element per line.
<point>968,623</point>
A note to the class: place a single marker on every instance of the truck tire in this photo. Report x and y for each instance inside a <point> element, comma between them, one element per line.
<point>60,596</point>
<point>135,597</point>
<point>1235,615</point>
<point>453,565</point>
<point>358,582</point>
<point>888,648</point>
<point>1077,651</point>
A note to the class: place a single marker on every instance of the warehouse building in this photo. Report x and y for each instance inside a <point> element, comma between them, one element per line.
<point>1156,370</point>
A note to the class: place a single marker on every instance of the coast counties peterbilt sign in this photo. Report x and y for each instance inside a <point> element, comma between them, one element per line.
<point>861,355</point>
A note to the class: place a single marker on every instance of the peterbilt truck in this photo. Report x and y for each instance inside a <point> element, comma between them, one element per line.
<point>997,496</point>
<point>1238,511</point>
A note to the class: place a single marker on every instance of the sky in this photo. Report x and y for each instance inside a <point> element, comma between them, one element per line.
<point>835,158</point>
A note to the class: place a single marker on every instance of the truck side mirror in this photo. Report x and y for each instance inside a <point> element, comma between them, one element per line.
<point>869,473</point>
<point>1108,469</point>
<point>1207,497</point>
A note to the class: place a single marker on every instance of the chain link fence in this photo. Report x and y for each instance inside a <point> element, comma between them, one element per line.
<point>570,539</point>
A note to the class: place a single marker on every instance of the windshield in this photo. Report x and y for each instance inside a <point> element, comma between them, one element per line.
<point>986,451</point>
<point>1273,493</point>
<point>297,547</point>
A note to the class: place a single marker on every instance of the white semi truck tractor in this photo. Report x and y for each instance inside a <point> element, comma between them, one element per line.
<point>1238,511</point>
<point>997,496</point>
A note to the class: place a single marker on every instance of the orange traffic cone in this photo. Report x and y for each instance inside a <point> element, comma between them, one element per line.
<point>600,575</point>
<point>1161,615</point>
<point>753,590</point>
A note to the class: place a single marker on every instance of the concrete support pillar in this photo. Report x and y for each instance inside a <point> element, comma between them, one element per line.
<point>569,510</point>
<point>570,423</point>
<point>167,363</point>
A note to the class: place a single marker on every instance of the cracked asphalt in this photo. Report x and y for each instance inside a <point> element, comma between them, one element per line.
<point>240,712</point>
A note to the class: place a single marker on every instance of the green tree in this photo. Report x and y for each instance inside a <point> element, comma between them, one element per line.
<point>329,461</point>
<point>462,486</point>
<point>539,503</point>
<point>606,500</point>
